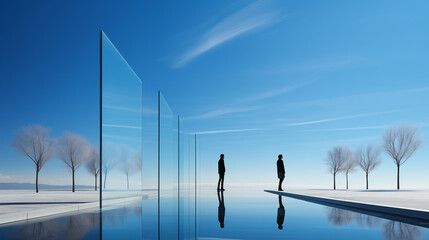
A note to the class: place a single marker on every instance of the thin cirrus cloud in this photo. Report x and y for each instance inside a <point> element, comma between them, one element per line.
<point>227,131</point>
<point>252,17</point>
<point>348,128</point>
<point>221,112</point>
<point>342,118</point>
<point>121,126</point>
<point>279,91</point>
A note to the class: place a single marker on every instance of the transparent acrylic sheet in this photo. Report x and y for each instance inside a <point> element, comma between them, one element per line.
<point>150,160</point>
<point>121,123</point>
<point>186,183</point>
<point>169,167</point>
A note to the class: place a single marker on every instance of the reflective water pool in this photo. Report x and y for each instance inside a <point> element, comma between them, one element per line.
<point>228,216</point>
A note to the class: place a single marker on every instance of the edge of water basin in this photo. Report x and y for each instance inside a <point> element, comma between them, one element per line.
<point>394,210</point>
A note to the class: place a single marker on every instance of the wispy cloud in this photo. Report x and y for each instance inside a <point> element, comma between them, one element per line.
<point>279,91</point>
<point>252,17</point>
<point>227,131</point>
<point>145,111</point>
<point>121,126</point>
<point>358,97</point>
<point>221,112</point>
<point>3,177</point>
<point>348,129</point>
<point>342,118</point>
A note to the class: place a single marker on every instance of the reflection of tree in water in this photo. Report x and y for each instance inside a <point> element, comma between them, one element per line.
<point>364,220</point>
<point>68,228</point>
<point>391,230</point>
<point>396,230</point>
<point>339,217</point>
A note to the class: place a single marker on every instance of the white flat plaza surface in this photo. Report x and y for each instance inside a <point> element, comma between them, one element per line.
<point>411,199</point>
<point>18,205</point>
<point>12,201</point>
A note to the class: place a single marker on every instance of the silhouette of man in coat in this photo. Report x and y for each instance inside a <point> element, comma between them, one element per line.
<point>280,213</point>
<point>221,171</point>
<point>280,171</point>
<point>221,209</point>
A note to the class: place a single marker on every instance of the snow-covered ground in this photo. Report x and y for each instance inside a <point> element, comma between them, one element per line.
<point>414,199</point>
<point>12,201</point>
<point>17,205</point>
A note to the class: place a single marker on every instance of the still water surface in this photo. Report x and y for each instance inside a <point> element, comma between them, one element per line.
<point>231,216</point>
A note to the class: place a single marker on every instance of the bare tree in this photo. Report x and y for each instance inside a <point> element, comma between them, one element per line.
<point>93,164</point>
<point>131,166</point>
<point>74,151</point>
<point>369,158</point>
<point>336,160</point>
<point>111,153</point>
<point>350,163</point>
<point>401,142</point>
<point>35,142</point>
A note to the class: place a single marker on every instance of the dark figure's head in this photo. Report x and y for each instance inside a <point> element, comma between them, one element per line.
<point>280,156</point>
<point>222,156</point>
<point>280,226</point>
<point>222,225</point>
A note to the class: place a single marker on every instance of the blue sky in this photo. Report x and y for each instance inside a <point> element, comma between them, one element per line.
<point>257,78</point>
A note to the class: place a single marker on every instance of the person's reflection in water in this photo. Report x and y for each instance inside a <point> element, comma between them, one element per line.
<point>280,213</point>
<point>221,209</point>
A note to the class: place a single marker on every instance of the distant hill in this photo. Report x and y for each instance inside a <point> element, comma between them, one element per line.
<point>30,186</point>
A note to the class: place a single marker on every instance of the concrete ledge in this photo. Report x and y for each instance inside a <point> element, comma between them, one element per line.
<point>386,209</point>
<point>67,209</point>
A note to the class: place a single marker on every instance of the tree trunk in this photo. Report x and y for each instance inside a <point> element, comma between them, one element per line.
<point>367,180</point>
<point>73,179</point>
<point>128,183</point>
<point>105,177</point>
<point>95,182</point>
<point>347,180</point>
<point>397,179</point>
<point>37,180</point>
<point>334,182</point>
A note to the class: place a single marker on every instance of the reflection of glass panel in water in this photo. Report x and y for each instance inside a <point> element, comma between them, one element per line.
<point>168,160</point>
<point>121,123</point>
<point>186,183</point>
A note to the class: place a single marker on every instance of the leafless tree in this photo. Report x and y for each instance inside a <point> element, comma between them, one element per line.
<point>350,163</point>
<point>340,217</point>
<point>336,160</point>
<point>93,164</point>
<point>400,143</point>
<point>35,142</point>
<point>131,165</point>
<point>369,158</point>
<point>111,154</point>
<point>74,151</point>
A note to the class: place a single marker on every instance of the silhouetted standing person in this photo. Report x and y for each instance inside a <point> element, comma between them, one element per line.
<point>221,209</point>
<point>280,213</point>
<point>280,171</point>
<point>221,171</point>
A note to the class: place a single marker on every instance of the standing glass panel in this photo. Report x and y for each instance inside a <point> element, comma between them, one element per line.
<point>150,161</point>
<point>168,163</point>
<point>186,183</point>
<point>121,122</point>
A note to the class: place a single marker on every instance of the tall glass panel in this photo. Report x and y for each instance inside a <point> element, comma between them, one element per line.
<point>150,160</point>
<point>168,171</point>
<point>186,183</point>
<point>121,121</point>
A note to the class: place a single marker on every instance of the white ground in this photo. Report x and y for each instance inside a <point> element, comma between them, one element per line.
<point>12,201</point>
<point>415,199</point>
